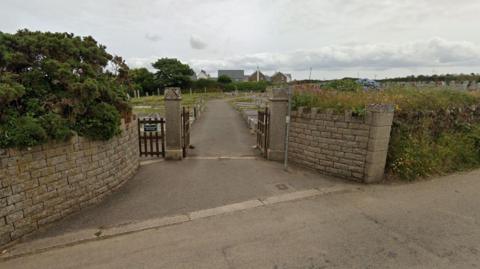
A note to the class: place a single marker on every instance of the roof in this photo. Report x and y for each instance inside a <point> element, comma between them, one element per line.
<point>233,74</point>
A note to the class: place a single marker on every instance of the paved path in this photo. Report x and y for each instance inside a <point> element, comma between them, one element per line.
<point>221,131</point>
<point>430,224</point>
<point>170,188</point>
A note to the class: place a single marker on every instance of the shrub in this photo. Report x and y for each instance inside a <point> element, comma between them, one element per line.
<point>223,79</point>
<point>343,85</point>
<point>260,86</point>
<point>421,154</point>
<point>52,83</point>
<point>102,123</point>
<point>56,127</point>
<point>28,132</point>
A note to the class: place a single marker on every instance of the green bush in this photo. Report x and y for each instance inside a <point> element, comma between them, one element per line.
<point>56,127</point>
<point>421,154</point>
<point>27,132</point>
<point>343,85</point>
<point>102,123</point>
<point>246,86</point>
<point>51,84</point>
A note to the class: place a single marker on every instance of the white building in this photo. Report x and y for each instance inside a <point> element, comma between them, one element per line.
<point>203,75</point>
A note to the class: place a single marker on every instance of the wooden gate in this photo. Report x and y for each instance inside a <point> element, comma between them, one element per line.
<point>262,131</point>
<point>185,130</point>
<point>151,136</point>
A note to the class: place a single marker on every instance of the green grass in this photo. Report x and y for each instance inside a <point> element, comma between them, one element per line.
<point>404,99</point>
<point>157,103</point>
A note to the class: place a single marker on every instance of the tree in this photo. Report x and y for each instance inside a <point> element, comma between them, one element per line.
<point>144,80</point>
<point>172,73</point>
<point>202,84</point>
<point>224,79</point>
<point>55,84</point>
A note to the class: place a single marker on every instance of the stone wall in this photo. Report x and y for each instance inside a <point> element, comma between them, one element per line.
<point>48,182</point>
<point>340,144</point>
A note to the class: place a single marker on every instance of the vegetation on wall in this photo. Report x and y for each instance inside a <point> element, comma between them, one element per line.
<point>55,84</point>
<point>434,131</point>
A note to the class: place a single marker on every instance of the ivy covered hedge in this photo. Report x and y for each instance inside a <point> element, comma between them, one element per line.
<point>435,131</point>
<point>53,85</point>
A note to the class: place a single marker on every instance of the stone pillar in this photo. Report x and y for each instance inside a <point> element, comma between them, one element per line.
<point>173,124</point>
<point>278,106</point>
<point>380,119</point>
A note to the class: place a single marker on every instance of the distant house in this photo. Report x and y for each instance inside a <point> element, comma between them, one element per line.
<point>203,75</point>
<point>193,77</point>
<point>235,75</point>
<point>257,76</point>
<point>280,78</point>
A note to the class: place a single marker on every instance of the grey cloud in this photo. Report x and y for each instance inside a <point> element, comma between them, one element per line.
<point>435,52</point>
<point>197,43</point>
<point>153,37</point>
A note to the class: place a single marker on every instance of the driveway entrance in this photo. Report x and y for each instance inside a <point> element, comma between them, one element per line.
<point>223,168</point>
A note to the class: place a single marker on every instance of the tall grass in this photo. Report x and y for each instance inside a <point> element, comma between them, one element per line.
<point>404,99</point>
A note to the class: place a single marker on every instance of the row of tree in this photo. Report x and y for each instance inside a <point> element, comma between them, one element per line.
<point>443,77</point>
<point>173,73</point>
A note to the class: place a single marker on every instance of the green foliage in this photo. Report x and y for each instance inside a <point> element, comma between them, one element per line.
<point>27,132</point>
<point>246,86</point>
<point>414,155</point>
<point>102,123</point>
<point>343,85</point>
<point>48,81</point>
<point>446,77</point>
<point>9,89</point>
<point>404,99</point>
<point>212,85</point>
<point>56,127</point>
<point>144,81</point>
<point>223,79</point>
<point>172,73</point>
<point>208,84</point>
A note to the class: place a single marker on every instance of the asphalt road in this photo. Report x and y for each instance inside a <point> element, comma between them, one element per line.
<point>431,224</point>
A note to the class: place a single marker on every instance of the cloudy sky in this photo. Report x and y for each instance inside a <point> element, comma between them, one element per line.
<point>335,38</point>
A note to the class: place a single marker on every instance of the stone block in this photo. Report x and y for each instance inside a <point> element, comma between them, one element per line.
<point>32,210</point>
<point>49,219</point>
<point>4,192</point>
<point>353,156</point>
<point>6,210</point>
<point>378,144</point>
<point>377,119</point>
<point>14,216</point>
<point>357,132</point>
<point>376,156</point>
<point>380,132</point>
<point>56,160</point>
<point>21,231</point>
<point>12,199</point>
<point>6,228</point>
<point>374,172</point>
